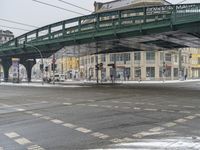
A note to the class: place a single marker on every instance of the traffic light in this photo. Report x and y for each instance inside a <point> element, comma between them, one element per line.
<point>53,67</point>
<point>41,67</point>
<point>46,68</point>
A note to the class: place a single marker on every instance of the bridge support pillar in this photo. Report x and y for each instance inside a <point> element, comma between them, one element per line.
<point>6,63</point>
<point>28,64</point>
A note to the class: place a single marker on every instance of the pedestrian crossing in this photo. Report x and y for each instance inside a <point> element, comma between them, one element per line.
<point>22,141</point>
<point>157,130</point>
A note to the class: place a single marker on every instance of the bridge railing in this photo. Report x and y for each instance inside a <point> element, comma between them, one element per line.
<point>106,21</point>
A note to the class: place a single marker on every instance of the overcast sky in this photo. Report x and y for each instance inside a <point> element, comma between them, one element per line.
<point>33,13</point>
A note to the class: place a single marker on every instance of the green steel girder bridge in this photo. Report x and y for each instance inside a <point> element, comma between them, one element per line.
<point>146,28</point>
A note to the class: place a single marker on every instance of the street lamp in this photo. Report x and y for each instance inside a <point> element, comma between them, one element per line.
<point>42,63</point>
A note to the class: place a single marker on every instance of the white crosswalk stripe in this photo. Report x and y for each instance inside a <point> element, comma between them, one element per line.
<point>84,130</point>
<point>69,125</point>
<point>22,141</point>
<point>35,147</point>
<point>12,135</point>
<point>57,121</point>
<point>100,135</point>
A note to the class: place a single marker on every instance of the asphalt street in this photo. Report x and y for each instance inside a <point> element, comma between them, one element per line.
<point>137,116</point>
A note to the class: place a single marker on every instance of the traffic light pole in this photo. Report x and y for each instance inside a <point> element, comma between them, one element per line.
<point>53,68</point>
<point>97,69</point>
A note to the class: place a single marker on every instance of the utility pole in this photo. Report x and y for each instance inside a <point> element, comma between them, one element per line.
<point>180,64</point>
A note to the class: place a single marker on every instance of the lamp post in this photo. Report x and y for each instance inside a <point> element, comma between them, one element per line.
<point>42,63</point>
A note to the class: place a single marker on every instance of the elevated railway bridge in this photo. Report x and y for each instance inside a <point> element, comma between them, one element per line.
<point>145,28</point>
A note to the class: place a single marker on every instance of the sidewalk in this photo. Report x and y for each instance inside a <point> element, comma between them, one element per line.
<point>85,83</point>
<point>147,82</point>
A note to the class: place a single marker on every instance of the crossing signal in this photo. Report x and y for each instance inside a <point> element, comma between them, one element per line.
<point>53,67</point>
<point>46,68</point>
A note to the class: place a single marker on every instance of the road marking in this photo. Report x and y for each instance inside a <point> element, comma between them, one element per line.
<point>151,104</point>
<point>126,102</point>
<point>190,117</point>
<point>169,124</point>
<point>124,140</point>
<point>29,112</point>
<point>116,106</point>
<point>37,115</point>
<point>198,115</point>
<point>35,147</point>
<point>84,130</point>
<point>100,135</point>
<point>69,125</point>
<point>173,105</point>
<point>180,120</point>
<point>67,104</point>
<point>22,141</point>
<point>12,135</point>
<point>164,110</point>
<point>46,117</point>
<point>137,108</point>
<point>116,140</point>
<point>106,106</point>
<point>81,104</point>
<point>139,103</point>
<point>93,105</point>
<point>126,107</point>
<point>189,106</point>
<point>144,133</point>
<point>149,109</point>
<point>185,112</point>
<point>91,100</point>
<point>1,148</point>
<point>56,121</point>
<point>115,101</point>
<point>156,129</point>
<point>21,109</point>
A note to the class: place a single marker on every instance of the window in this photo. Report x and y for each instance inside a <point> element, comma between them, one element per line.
<point>175,72</point>
<point>168,71</point>
<point>175,58</point>
<point>137,56</point>
<point>103,57</point>
<point>161,56</point>
<point>137,72</point>
<point>198,60</point>
<point>112,57</point>
<point>150,55</point>
<point>92,59</point>
<point>127,57</point>
<point>168,57</point>
<point>150,72</point>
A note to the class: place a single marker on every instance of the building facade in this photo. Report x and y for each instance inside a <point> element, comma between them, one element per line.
<point>5,36</point>
<point>142,65</point>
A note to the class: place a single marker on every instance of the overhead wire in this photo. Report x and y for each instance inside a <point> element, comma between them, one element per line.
<point>75,5</point>
<point>9,27</point>
<point>16,22</point>
<point>58,7</point>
